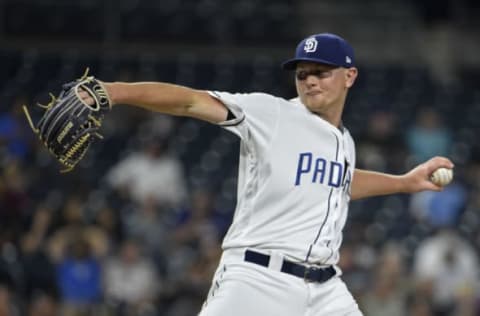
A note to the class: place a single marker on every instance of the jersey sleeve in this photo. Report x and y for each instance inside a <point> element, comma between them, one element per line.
<point>255,113</point>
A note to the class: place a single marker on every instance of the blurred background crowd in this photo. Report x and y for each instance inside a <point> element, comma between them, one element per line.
<point>136,229</point>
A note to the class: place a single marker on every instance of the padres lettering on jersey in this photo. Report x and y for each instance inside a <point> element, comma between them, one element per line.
<point>321,167</point>
<point>295,172</point>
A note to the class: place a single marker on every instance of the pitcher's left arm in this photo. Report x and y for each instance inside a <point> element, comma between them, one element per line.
<point>370,183</point>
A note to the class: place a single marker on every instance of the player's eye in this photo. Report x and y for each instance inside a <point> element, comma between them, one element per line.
<point>303,74</point>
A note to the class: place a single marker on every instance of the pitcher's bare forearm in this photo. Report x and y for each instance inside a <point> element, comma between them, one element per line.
<point>169,99</point>
<point>370,183</point>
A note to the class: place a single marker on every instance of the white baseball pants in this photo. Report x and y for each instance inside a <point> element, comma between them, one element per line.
<point>242,288</point>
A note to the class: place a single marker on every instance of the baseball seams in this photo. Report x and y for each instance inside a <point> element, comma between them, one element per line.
<point>442,176</point>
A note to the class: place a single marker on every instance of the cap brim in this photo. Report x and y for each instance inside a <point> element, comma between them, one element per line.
<point>291,64</point>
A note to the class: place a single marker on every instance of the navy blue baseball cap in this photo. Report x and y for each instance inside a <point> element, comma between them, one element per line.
<point>323,48</point>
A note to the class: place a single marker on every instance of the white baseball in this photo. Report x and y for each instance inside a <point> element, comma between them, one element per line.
<point>442,176</point>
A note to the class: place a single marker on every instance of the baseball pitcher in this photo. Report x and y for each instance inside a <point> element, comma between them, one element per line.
<point>296,176</point>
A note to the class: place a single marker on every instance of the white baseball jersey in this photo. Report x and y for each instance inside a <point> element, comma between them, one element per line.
<point>295,173</point>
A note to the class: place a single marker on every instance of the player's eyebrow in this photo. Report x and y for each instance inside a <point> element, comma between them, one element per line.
<point>315,68</point>
<point>308,69</point>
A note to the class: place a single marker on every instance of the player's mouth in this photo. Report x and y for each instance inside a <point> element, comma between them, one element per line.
<point>313,93</point>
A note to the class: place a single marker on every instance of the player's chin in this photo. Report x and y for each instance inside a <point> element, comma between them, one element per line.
<point>317,98</point>
<point>315,105</point>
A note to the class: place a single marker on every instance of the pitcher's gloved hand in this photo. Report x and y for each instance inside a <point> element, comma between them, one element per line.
<point>71,121</point>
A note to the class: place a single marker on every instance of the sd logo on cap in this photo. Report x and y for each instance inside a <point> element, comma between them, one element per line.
<point>323,48</point>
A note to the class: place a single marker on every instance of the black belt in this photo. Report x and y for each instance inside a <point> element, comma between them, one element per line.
<point>309,274</point>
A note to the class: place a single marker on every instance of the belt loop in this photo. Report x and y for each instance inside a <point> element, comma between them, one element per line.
<point>305,275</point>
<point>276,261</point>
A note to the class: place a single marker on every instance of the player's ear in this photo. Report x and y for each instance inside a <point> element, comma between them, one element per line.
<point>350,76</point>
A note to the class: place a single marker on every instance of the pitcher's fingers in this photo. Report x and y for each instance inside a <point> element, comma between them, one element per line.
<point>89,100</point>
<point>439,162</point>
<point>83,94</point>
<point>432,186</point>
<point>86,97</point>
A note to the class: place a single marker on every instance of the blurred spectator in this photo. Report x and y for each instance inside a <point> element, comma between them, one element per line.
<point>79,277</point>
<point>8,304</point>
<point>200,271</point>
<point>108,222</point>
<point>39,272</point>
<point>76,247</point>
<point>419,305</point>
<point>148,225</point>
<point>72,225</point>
<point>42,305</point>
<point>188,288</point>
<point>446,269</point>
<point>381,147</point>
<point>440,209</point>
<point>150,172</point>
<point>195,252</point>
<point>357,259</point>
<point>13,198</point>
<point>131,281</point>
<point>39,283</point>
<point>10,269</point>
<point>428,137</point>
<point>388,293</point>
<point>14,134</point>
<point>471,220</point>
<point>201,220</point>
<point>472,170</point>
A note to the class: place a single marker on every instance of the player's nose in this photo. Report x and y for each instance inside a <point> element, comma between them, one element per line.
<point>311,80</point>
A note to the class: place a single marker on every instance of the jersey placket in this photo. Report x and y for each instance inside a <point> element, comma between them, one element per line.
<point>338,208</point>
<point>326,226</point>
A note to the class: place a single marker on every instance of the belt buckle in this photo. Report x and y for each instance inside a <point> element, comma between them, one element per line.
<point>306,273</point>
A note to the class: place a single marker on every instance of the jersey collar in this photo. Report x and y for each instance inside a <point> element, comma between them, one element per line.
<point>341,128</point>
